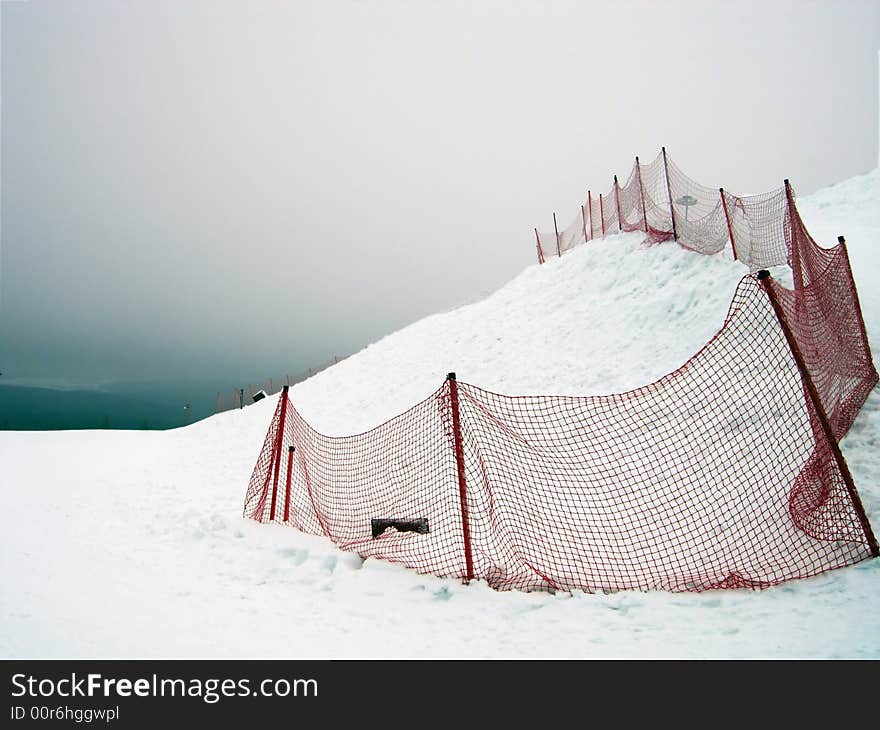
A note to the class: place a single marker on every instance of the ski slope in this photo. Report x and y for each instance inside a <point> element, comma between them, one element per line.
<point>122,544</point>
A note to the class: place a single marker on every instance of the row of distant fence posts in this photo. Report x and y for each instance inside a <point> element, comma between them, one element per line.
<point>241,397</point>
<point>589,230</point>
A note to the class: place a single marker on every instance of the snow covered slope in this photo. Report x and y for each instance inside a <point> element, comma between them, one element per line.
<point>606,317</point>
<point>131,543</point>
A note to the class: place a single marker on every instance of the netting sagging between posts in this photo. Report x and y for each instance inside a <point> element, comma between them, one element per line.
<point>656,197</point>
<point>683,485</point>
<point>723,474</point>
<point>755,228</point>
<point>573,234</point>
<point>759,225</point>
<point>629,196</point>
<point>826,321</point>
<point>700,222</point>
<point>404,469</point>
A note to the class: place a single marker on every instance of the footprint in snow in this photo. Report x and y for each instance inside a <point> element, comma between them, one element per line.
<point>353,561</point>
<point>297,556</point>
<point>213,523</point>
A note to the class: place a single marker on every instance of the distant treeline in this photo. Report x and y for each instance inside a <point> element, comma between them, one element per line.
<point>46,409</point>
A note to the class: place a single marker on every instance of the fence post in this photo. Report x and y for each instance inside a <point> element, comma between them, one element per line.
<point>290,450</point>
<point>642,193</point>
<point>617,202</point>
<point>764,279</point>
<point>729,226</point>
<point>590,207</point>
<point>462,483</point>
<point>602,214</point>
<point>556,228</point>
<point>864,333</point>
<point>795,251</point>
<point>538,244</point>
<point>279,440</point>
<point>241,398</point>
<point>669,193</point>
<point>584,223</point>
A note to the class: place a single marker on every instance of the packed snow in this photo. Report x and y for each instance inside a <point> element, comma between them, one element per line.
<point>120,544</point>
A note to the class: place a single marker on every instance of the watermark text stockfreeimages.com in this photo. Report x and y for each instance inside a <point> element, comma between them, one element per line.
<point>209,690</point>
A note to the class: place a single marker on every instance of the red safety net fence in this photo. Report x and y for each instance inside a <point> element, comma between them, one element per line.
<point>661,200</point>
<point>723,474</point>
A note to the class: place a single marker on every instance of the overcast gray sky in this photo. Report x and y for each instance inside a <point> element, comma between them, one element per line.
<point>250,187</point>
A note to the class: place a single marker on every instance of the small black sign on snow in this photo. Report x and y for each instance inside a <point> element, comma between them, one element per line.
<point>259,395</point>
<point>379,525</point>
